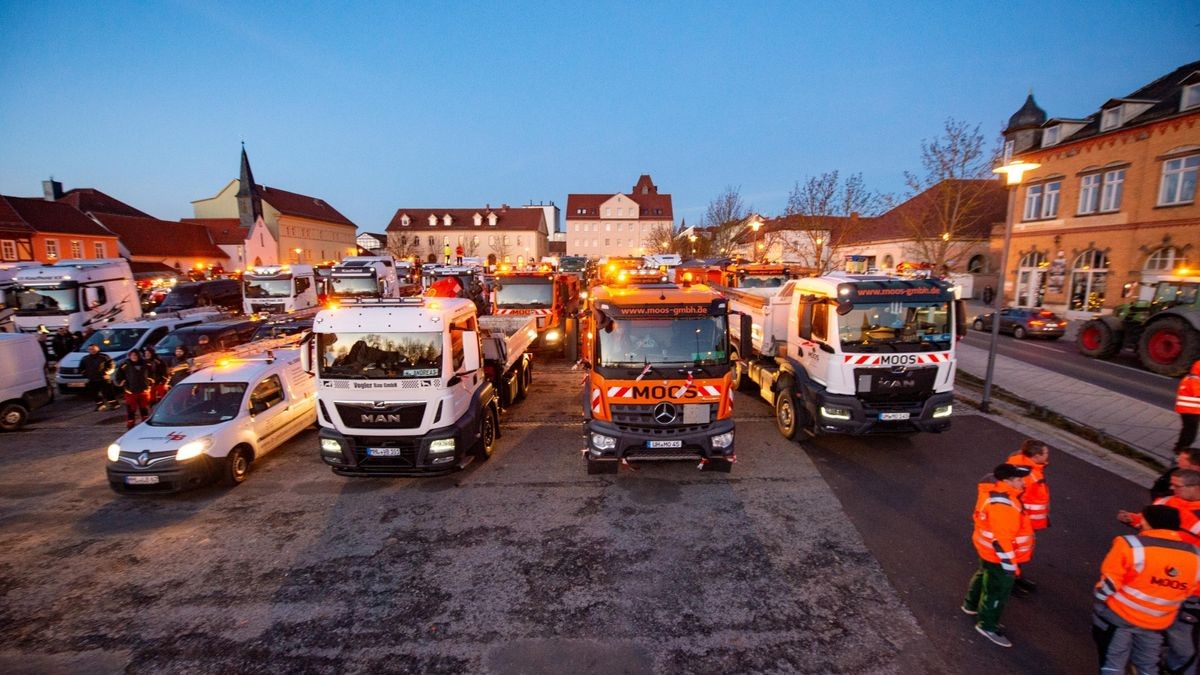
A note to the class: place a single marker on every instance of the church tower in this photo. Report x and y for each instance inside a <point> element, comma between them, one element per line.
<point>248,199</point>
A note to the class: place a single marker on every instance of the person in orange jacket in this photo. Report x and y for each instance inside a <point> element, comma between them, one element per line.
<point>999,520</point>
<point>1187,404</point>
<point>1143,581</point>
<point>1036,499</point>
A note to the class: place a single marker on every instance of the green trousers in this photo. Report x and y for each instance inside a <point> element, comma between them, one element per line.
<point>989,590</point>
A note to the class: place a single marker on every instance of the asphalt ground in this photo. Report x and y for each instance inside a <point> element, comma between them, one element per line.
<point>523,564</point>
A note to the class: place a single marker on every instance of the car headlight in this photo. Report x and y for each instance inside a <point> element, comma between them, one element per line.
<point>943,410</point>
<point>442,445</point>
<point>552,336</point>
<point>193,448</point>
<point>602,442</point>
<point>723,440</point>
<point>114,452</point>
<point>835,413</point>
<point>331,445</point>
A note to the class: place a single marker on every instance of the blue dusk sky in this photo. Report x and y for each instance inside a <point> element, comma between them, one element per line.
<point>376,106</point>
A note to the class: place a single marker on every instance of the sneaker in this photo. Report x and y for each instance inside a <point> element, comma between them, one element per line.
<point>1025,584</point>
<point>968,611</point>
<point>994,635</point>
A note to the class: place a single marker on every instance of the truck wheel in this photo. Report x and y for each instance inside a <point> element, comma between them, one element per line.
<point>235,468</point>
<point>487,436</point>
<point>13,416</point>
<point>1169,346</point>
<point>522,382</point>
<point>785,414</point>
<point>1098,340</point>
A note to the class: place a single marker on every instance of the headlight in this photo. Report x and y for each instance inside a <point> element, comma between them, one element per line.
<point>583,295</point>
<point>442,445</point>
<point>552,336</point>
<point>196,447</point>
<point>723,440</point>
<point>331,445</point>
<point>835,413</point>
<point>114,452</point>
<point>943,410</point>
<point>602,442</point>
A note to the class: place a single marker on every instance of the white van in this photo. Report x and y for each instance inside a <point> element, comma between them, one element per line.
<point>24,383</point>
<point>216,422</point>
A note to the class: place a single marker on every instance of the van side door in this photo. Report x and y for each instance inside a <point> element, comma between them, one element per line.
<point>269,412</point>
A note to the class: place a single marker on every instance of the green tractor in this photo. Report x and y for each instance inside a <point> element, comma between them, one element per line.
<point>1163,325</point>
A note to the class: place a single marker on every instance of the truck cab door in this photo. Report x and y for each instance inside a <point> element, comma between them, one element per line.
<point>809,351</point>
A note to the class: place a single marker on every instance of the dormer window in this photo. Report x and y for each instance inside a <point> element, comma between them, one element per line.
<point>1110,119</point>
<point>1190,98</point>
<point>491,220</point>
<point>446,220</point>
<point>1051,136</point>
<point>478,220</point>
<point>432,220</point>
<point>405,220</point>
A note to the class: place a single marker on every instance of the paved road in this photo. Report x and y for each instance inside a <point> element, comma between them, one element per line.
<point>1122,374</point>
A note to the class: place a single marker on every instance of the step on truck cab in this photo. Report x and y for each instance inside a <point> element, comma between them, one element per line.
<point>402,388</point>
<point>852,353</point>
<point>548,296</point>
<point>77,294</point>
<point>279,289</point>
<point>659,383</point>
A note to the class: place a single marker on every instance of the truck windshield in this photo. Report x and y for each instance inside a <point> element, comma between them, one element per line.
<point>638,342</point>
<point>113,339</point>
<point>42,300</point>
<point>199,404</point>
<point>533,293</point>
<point>268,288</point>
<point>764,281</point>
<point>380,355</point>
<point>353,286</point>
<point>896,326</point>
<point>572,264</point>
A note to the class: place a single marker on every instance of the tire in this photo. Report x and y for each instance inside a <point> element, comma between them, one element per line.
<point>235,467</point>
<point>787,419</point>
<point>13,416</point>
<point>1169,346</point>
<point>978,325</point>
<point>741,381</point>
<point>1019,332</point>
<point>487,436</point>
<point>1098,340</point>
<point>522,382</point>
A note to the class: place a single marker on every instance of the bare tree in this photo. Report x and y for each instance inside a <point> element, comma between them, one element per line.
<point>957,182</point>
<point>403,247</point>
<point>825,214</point>
<point>725,220</point>
<point>472,245</point>
<point>661,239</point>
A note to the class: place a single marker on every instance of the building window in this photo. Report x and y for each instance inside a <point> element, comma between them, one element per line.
<point>51,248</point>
<point>1089,193</point>
<point>405,220</point>
<point>1114,182</point>
<point>1050,136</point>
<point>1165,259</point>
<point>474,240</point>
<point>98,249</point>
<point>1089,279</point>
<point>1050,202</point>
<point>432,220</point>
<point>1190,97</point>
<point>446,220</point>
<point>76,249</point>
<point>432,241</point>
<point>1031,279</point>
<point>506,241</point>
<point>491,240</point>
<point>1033,202</point>
<point>975,264</point>
<point>1110,119</point>
<point>518,240</point>
<point>1178,181</point>
<point>8,249</point>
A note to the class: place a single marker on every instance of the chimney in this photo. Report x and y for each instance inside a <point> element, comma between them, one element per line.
<point>52,190</point>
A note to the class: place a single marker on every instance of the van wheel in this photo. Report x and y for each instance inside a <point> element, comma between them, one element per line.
<point>487,436</point>
<point>785,414</point>
<point>237,465</point>
<point>13,416</point>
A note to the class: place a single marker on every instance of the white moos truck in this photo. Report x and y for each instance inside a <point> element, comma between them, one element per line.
<point>279,289</point>
<point>77,294</point>
<point>366,276</point>
<point>403,385</point>
<point>8,293</point>
<point>852,353</point>
<point>237,407</point>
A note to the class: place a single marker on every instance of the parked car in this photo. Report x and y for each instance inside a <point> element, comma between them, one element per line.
<point>203,339</point>
<point>24,383</point>
<point>224,293</point>
<point>1024,322</point>
<point>268,330</point>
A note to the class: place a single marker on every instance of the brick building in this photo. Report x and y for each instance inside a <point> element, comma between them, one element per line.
<point>506,234</point>
<point>1113,202</point>
<point>600,225</point>
<point>47,231</point>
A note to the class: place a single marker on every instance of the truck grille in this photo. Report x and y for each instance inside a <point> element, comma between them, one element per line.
<point>387,416</point>
<point>894,387</point>
<point>409,451</point>
<point>639,418</point>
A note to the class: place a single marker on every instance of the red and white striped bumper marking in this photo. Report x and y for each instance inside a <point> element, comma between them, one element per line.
<point>595,401</point>
<point>876,359</point>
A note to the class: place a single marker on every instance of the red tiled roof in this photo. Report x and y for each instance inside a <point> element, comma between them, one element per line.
<point>10,220</point>
<point>294,204</point>
<point>49,217</point>
<point>987,201</point>
<point>153,237</point>
<point>648,205</point>
<point>94,201</point>
<point>224,231</point>
<point>507,218</point>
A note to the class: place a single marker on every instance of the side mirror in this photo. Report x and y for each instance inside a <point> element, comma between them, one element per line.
<point>960,318</point>
<point>470,351</point>
<point>745,335</point>
<point>306,355</point>
<point>825,347</point>
<point>844,307</point>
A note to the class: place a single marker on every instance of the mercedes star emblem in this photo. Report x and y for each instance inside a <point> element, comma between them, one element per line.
<point>664,413</point>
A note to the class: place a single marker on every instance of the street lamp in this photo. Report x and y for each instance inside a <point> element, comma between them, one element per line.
<point>1013,171</point>
<point>297,251</point>
<point>820,242</point>
<point>692,238</point>
<point>754,226</point>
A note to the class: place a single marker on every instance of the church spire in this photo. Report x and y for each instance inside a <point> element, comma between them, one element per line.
<point>249,201</point>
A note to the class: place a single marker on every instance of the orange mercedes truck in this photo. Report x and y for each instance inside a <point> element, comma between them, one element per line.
<point>658,384</point>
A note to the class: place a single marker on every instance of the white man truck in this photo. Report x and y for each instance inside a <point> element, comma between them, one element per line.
<point>8,293</point>
<point>279,289</point>
<point>366,276</point>
<point>852,353</point>
<point>403,386</point>
<point>77,294</point>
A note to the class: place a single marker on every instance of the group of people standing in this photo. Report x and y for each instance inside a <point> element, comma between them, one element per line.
<point>142,377</point>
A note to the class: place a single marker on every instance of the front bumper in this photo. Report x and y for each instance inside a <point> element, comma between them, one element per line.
<point>633,444</point>
<point>406,455</point>
<point>171,475</point>
<point>864,417</point>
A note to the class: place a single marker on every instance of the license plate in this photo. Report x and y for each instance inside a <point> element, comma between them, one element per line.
<point>886,417</point>
<point>141,480</point>
<point>664,444</point>
<point>76,385</point>
<point>384,452</point>
<point>695,413</point>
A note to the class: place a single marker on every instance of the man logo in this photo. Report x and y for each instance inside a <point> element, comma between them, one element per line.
<point>664,413</point>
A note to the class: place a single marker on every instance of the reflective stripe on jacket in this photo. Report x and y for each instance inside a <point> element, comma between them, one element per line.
<point>1036,497</point>
<point>1146,577</point>
<point>998,524</point>
<point>1187,396</point>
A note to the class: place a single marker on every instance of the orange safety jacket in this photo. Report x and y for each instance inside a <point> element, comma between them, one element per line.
<point>1189,517</point>
<point>1187,396</point>
<point>999,522</point>
<point>1146,577</point>
<point>1036,496</point>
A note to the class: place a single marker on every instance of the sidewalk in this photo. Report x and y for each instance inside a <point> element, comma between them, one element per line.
<point>1148,428</point>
